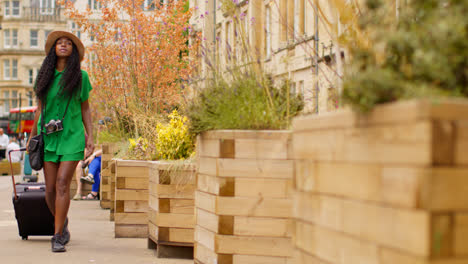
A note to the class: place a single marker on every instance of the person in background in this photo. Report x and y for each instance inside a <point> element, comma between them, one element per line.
<point>94,175</point>
<point>4,141</point>
<point>15,156</point>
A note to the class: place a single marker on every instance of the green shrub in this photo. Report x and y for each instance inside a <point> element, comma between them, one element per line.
<point>424,53</point>
<point>243,103</point>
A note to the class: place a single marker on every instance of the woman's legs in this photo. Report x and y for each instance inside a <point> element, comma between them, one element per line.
<point>50,175</point>
<point>62,199</point>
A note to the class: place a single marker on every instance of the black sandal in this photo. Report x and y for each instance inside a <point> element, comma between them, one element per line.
<point>90,197</point>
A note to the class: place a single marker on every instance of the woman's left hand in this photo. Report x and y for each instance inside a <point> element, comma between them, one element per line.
<point>89,145</point>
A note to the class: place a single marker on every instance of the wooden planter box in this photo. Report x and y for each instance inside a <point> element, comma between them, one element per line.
<point>5,168</point>
<point>131,198</point>
<point>387,188</point>
<point>108,150</point>
<point>172,209</point>
<point>244,197</point>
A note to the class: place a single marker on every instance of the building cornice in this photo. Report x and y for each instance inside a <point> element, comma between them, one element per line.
<point>22,52</point>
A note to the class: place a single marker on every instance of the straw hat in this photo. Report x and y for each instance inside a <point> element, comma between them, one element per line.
<point>53,36</point>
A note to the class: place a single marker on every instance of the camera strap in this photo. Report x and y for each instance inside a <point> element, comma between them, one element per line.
<point>66,109</point>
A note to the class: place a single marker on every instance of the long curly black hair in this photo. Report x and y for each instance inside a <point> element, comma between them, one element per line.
<point>70,84</point>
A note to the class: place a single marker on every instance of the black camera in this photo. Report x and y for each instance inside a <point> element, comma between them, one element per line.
<point>53,126</point>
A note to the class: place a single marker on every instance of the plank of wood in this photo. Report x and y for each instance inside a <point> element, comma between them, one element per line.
<point>152,231</point>
<point>208,166</point>
<point>131,172</point>
<point>246,259</point>
<point>175,220</point>
<point>132,183</point>
<point>334,247</point>
<point>132,163</point>
<point>250,245</point>
<point>268,188</point>
<point>461,143</point>
<point>105,204</point>
<point>460,232</point>
<point>261,148</point>
<point>182,206</point>
<point>131,231</point>
<point>176,191</point>
<point>205,237</point>
<point>215,185</point>
<point>106,172</point>
<point>256,168</point>
<point>136,206</point>
<point>261,207</point>
<point>180,235</point>
<point>301,257</point>
<point>208,147</point>
<point>205,201</point>
<point>446,189</point>
<point>203,254</point>
<point>207,220</point>
<point>131,195</point>
<point>131,218</point>
<point>404,144</point>
<point>261,226</point>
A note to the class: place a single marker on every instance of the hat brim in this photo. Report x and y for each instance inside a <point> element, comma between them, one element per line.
<point>53,36</point>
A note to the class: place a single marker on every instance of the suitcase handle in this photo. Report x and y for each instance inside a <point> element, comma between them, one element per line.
<point>27,188</point>
<point>11,168</point>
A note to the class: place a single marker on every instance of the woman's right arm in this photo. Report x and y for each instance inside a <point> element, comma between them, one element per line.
<point>36,118</point>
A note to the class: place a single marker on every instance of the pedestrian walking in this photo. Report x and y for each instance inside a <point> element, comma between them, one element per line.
<point>62,88</point>
<point>4,141</point>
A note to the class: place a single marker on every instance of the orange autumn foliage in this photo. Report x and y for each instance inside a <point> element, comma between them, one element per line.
<point>139,60</point>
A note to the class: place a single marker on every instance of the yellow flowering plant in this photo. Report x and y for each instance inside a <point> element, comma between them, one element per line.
<point>174,140</point>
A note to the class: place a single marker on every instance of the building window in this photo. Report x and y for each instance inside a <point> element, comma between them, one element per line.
<point>46,34</point>
<point>94,5</point>
<point>10,38</point>
<point>31,76</point>
<point>7,8</point>
<point>268,32</point>
<point>14,99</point>
<point>6,39</point>
<point>6,69</point>
<point>14,72</point>
<point>299,17</point>
<point>34,38</point>
<point>75,29</point>
<point>47,6</point>
<point>14,38</point>
<point>15,11</point>
<point>10,69</point>
<point>6,104</point>
<point>148,5</point>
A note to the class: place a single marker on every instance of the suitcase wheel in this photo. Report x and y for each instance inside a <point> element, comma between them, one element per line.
<point>24,237</point>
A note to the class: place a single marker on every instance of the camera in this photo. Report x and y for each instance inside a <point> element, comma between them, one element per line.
<point>53,126</point>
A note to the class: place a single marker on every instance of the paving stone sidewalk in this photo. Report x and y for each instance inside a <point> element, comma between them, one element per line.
<point>92,238</point>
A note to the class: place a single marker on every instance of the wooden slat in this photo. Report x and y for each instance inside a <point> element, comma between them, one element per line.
<point>131,195</point>
<point>262,246</point>
<point>136,206</point>
<point>131,218</point>
<point>405,144</point>
<point>132,183</point>
<point>256,168</point>
<point>175,220</point>
<point>261,149</point>
<point>175,191</point>
<point>131,231</point>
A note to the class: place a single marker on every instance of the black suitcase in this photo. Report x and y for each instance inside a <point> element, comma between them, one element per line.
<point>32,214</point>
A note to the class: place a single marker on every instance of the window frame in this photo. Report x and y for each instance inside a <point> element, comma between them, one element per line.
<point>31,38</point>
<point>6,38</point>
<point>14,69</point>
<point>45,9</point>
<point>6,69</point>
<point>13,8</point>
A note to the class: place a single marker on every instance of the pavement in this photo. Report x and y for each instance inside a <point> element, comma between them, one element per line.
<point>92,238</point>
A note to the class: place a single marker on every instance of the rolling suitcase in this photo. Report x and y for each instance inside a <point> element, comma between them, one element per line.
<point>32,214</point>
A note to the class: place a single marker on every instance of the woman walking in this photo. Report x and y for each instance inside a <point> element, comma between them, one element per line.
<point>62,88</point>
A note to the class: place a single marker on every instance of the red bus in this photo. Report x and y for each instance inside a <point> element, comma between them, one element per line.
<point>21,122</point>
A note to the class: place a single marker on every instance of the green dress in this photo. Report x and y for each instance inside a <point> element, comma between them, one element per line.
<point>71,139</point>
